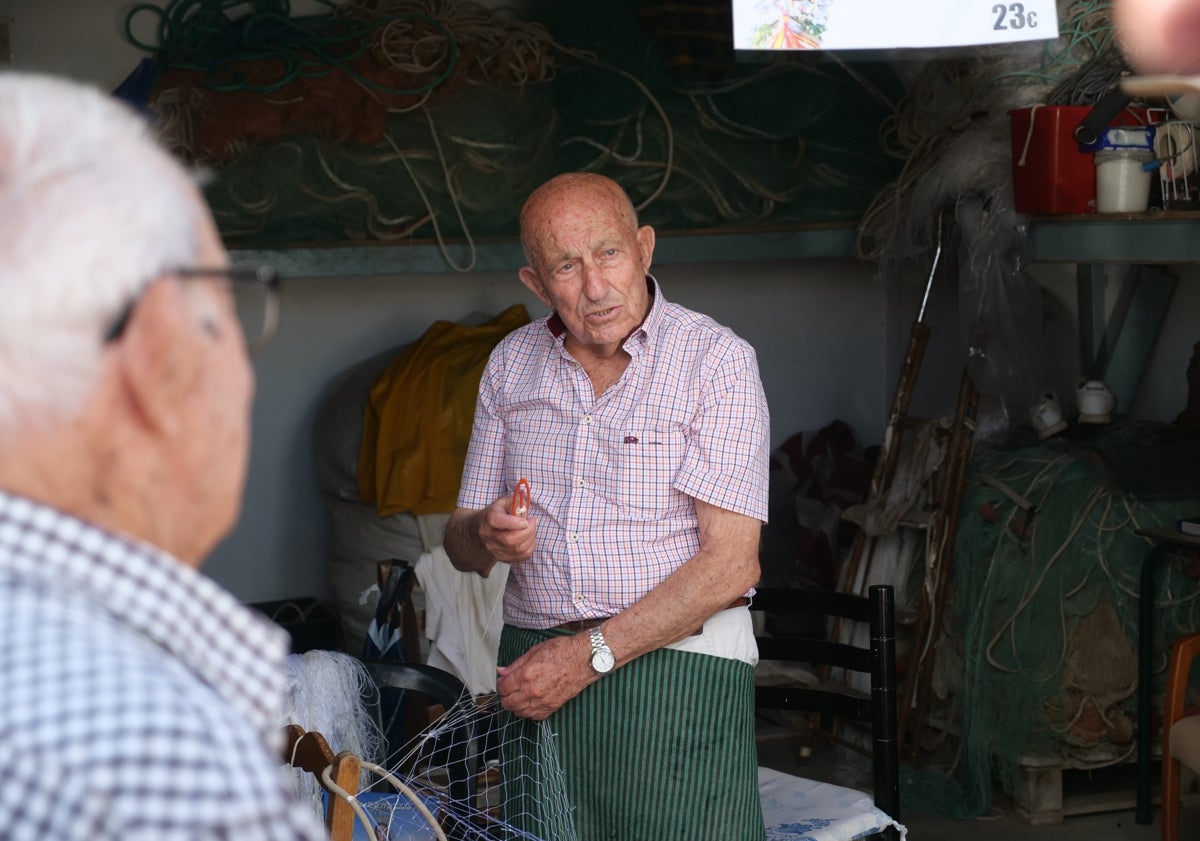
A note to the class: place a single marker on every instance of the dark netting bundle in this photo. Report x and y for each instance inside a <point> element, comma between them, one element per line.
<point>419,119</point>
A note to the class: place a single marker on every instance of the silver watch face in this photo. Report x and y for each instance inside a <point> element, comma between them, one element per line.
<point>603,660</point>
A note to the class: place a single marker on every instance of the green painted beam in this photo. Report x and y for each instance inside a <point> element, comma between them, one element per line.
<point>506,256</point>
<point>1146,238</point>
<point>1149,238</point>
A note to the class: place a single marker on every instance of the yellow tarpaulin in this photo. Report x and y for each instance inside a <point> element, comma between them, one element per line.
<point>417,422</point>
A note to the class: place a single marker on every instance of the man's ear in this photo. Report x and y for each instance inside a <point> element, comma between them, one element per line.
<point>645,238</point>
<point>155,359</point>
<point>530,278</point>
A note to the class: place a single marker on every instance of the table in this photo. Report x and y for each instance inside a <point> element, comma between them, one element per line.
<point>1166,539</point>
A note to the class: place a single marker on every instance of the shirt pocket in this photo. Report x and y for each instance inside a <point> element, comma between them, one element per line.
<point>648,462</point>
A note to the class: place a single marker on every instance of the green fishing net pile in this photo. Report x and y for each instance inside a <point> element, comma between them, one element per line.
<point>1022,588</point>
<point>773,143</point>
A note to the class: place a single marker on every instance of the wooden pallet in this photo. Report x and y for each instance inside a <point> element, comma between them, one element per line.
<point>1051,789</point>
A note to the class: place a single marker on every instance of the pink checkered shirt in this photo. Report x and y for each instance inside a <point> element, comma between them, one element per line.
<point>613,478</point>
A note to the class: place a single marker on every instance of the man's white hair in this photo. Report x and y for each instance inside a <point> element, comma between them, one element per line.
<point>91,210</point>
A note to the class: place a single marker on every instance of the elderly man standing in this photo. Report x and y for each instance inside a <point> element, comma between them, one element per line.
<point>137,698</point>
<point>643,431</point>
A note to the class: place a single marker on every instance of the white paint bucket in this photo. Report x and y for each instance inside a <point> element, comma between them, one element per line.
<point>1122,182</point>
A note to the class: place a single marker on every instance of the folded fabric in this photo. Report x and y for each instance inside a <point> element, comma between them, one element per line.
<point>463,619</point>
<point>417,421</point>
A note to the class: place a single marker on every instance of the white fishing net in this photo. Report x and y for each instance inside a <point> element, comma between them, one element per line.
<point>479,774</point>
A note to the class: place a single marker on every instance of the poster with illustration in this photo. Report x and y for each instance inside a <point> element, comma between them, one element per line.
<point>888,24</point>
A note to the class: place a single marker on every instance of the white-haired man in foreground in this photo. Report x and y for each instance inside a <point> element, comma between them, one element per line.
<point>137,698</point>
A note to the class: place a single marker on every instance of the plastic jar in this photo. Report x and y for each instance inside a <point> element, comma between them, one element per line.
<point>1122,181</point>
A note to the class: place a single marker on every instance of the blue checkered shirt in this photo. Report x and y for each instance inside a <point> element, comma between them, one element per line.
<point>138,699</point>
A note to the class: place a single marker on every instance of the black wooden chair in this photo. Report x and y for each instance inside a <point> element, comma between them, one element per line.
<point>831,700</point>
<point>436,691</point>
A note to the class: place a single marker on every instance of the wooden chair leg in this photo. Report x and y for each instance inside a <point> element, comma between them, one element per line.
<point>1170,796</point>
<point>1183,651</point>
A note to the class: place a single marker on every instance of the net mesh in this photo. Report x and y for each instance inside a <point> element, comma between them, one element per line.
<point>482,776</point>
<point>1037,657</point>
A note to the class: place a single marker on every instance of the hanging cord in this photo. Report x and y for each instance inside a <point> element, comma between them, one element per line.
<point>431,214</point>
<point>1028,136</point>
<point>668,164</point>
<point>1034,586</point>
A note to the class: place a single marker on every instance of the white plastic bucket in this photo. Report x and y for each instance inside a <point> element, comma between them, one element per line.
<point>1122,182</point>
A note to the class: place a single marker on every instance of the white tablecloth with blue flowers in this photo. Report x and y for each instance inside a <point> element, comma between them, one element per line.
<point>796,809</point>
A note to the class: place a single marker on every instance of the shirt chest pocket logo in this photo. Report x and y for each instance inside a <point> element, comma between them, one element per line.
<point>648,461</point>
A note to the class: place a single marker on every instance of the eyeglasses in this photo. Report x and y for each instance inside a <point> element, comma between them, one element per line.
<point>256,298</point>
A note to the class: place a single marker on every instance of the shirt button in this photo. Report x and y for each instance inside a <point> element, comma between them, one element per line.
<point>587,419</point>
<point>574,537</point>
<point>579,597</point>
<point>579,481</point>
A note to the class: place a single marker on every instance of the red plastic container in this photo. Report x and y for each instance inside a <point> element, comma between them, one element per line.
<point>1050,174</point>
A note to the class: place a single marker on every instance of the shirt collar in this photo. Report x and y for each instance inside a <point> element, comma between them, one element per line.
<point>230,647</point>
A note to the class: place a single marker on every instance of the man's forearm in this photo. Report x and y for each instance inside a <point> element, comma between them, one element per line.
<point>675,608</point>
<point>725,567</point>
<point>463,543</point>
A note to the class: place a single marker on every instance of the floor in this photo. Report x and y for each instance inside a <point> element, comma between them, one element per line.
<point>780,748</point>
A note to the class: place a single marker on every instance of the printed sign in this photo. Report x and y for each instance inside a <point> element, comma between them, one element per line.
<point>888,24</point>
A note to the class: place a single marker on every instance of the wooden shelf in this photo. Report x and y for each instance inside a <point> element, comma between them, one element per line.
<point>1156,237</point>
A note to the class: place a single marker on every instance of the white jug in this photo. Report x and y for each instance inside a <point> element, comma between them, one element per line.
<point>1094,400</point>
<point>1046,416</point>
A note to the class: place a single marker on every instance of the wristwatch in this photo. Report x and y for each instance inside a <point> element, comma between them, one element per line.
<point>602,656</point>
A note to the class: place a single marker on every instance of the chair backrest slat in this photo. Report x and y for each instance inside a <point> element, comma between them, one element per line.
<point>310,752</point>
<point>877,659</point>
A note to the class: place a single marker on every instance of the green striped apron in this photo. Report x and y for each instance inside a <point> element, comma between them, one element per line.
<point>662,748</point>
